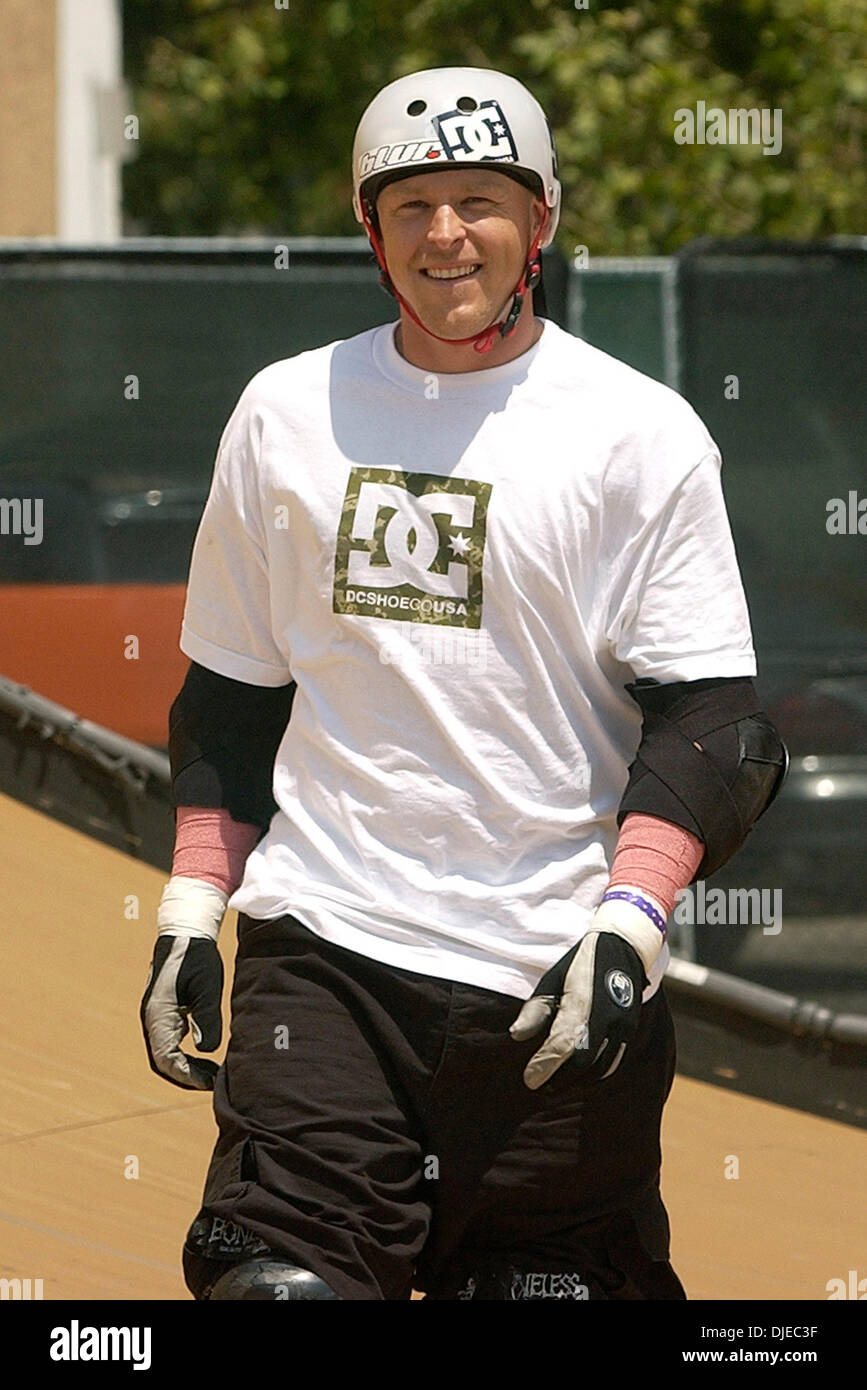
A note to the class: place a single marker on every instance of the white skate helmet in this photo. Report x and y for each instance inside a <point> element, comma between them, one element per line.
<point>446,116</point>
<point>432,119</point>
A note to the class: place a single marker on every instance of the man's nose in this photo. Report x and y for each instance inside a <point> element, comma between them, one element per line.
<point>445,226</point>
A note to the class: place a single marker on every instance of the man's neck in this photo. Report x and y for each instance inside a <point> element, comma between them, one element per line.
<point>431,355</point>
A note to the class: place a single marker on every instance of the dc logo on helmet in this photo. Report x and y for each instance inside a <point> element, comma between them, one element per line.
<point>476,135</point>
<point>619,986</point>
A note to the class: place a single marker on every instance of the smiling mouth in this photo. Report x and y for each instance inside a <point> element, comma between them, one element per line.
<point>456,273</point>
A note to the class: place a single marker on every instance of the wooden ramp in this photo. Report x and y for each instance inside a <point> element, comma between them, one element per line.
<point>102,1164</point>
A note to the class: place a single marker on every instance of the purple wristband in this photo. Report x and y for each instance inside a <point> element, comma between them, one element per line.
<point>636,898</point>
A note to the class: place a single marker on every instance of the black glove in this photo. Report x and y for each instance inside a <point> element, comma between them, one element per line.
<point>185,986</point>
<point>593,995</point>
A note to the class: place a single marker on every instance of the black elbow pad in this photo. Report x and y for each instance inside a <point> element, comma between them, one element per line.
<point>709,760</point>
<point>223,739</point>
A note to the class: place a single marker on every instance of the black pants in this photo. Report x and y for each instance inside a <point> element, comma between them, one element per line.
<point>375,1129</point>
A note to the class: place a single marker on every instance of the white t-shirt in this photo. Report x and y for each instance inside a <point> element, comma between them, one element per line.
<point>461,572</point>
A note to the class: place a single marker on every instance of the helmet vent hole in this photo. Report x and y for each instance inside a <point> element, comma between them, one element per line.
<point>467,104</point>
<point>415,108</point>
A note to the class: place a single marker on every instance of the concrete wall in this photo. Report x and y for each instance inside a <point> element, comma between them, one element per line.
<point>90,111</point>
<point>61,119</point>
<point>28,111</point>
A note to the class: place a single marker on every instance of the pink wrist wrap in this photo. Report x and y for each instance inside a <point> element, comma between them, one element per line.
<point>651,853</point>
<point>212,846</point>
<point>657,856</point>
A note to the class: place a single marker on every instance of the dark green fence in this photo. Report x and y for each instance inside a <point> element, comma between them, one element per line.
<point>773,354</point>
<point>120,365</point>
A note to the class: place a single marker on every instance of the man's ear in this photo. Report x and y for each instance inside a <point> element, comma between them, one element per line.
<point>537,214</point>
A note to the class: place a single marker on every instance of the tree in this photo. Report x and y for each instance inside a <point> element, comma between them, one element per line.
<point>248,110</point>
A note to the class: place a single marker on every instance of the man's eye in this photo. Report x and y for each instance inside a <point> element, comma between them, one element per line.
<point>420,202</point>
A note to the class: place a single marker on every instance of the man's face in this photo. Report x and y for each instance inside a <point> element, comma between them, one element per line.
<point>478,222</point>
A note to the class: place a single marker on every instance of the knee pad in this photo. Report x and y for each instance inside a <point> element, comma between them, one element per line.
<point>213,1245</point>
<point>271,1280</point>
<point>610,1261</point>
<point>514,1276</point>
<point>511,1282</point>
<point>222,1260</point>
<point>534,1280</point>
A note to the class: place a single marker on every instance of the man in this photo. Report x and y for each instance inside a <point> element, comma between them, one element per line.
<point>488,571</point>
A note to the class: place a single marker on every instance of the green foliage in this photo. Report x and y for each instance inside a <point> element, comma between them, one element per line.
<point>248,110</point>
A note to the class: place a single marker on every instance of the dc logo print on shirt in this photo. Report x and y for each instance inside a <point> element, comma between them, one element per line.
<point>410,546</point>
<point>476,136</point>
